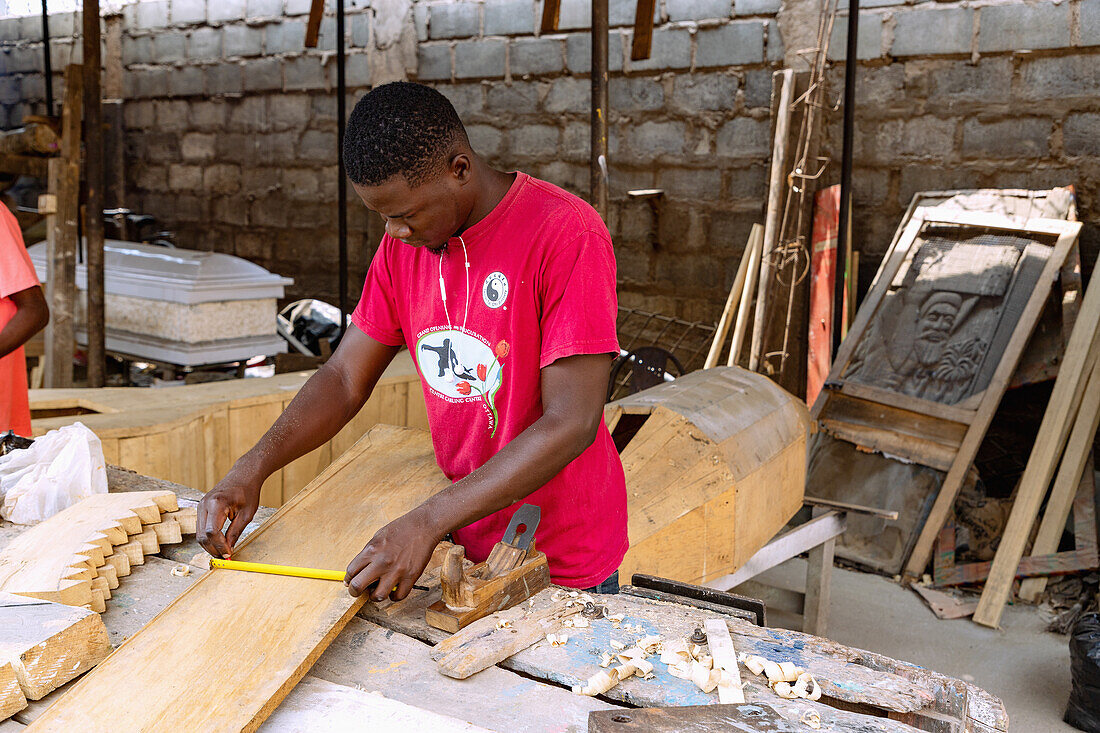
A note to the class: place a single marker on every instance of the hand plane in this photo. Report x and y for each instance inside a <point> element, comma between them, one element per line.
<point>513,572</point>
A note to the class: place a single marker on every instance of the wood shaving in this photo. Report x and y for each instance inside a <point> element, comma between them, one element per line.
<point>181,571</point>
<point>567,622</point>
<point>617,645</point>
<point>504,623</point>
<point>605,660</point>
<point>557,639</point>
<point>579,622</point>
<point>557,595</point>
<point>598,683</point>
<point>781,675</point>
<point>616,618</point>
<point>705,678</point>
<point>811,718</point>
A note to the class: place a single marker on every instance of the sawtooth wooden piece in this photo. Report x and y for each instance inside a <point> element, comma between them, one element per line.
<point>99,583</point>
<point>187,517</point>
<point>97,602</point>
<point>56,560</point>
<point>166,532</point>
<point>133,552</point>
<point>12,699</point>
<point>120,562</point>
<point>715,471</point>
<point>147,538</point>
<point>48,644</point>
<point>108,572</point>
<point>239,642</point>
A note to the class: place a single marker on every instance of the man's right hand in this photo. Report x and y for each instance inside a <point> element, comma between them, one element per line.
<point>233,499</point>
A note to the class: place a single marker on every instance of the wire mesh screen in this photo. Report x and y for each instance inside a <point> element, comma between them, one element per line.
<point>687,341</point>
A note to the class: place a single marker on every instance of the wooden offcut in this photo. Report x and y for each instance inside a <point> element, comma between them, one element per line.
<point>57,559</point>
<point>715,471</point>
<point>239,642</point>
<point>12,699</point>
<point>48,644</point>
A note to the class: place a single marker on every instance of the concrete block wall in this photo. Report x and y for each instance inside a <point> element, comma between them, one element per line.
<point>230,122</point>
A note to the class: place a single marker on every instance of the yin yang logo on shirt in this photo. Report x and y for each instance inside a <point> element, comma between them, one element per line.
<point>495,289</point>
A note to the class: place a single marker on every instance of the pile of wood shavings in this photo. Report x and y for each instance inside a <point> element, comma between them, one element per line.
<point>780,676</point>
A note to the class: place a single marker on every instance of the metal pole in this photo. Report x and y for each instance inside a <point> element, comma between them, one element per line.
<point>342,183</point>
<point>47,65</point>
<point>93,177</point>
<point>600,105</point>
<point>844,230</point>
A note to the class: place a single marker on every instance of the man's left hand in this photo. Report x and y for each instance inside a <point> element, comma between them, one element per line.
<point>394,558</point>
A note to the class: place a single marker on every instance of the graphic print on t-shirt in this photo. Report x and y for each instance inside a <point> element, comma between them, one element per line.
<point>459,365</point>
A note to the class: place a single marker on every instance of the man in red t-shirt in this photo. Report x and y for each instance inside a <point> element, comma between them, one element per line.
<point>23,313</point>
<point>502,286</point>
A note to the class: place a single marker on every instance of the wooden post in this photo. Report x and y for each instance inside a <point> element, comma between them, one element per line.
<point>777,186</point>
<point>600,104</point>
<point>64,186</point>
<point>93,177</point>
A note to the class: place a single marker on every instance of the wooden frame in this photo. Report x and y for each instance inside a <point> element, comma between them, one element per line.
<point>945,437</point>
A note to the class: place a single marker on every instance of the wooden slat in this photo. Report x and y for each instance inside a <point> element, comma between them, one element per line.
<point>905,402</point>
<point>860,412</point>
<point>240,641</point>
<point>953,482</point>
<point>1078,450</point>
<point>883,440</point>
<point>551,12</point>
<point>738,286</point>
<point>24,165</point>
<point>643,30</point>
<point>313,25</point>
<point>1065,399</point>
<point>756,243</point>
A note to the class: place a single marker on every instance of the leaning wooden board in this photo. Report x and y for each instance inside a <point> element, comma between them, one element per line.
<point>239,642</point>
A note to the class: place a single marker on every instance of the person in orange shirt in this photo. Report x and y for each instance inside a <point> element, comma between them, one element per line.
<point>23,313</point>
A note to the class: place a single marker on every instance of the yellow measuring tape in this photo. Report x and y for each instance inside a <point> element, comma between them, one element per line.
<point>259,567</point>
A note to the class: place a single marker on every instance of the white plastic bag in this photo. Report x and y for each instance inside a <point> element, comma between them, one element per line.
<point>61,468</point>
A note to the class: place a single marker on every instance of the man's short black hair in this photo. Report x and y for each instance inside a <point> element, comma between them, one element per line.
<point>400,128</point>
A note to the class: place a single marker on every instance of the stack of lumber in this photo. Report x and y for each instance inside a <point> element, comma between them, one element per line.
<point>77,556</point>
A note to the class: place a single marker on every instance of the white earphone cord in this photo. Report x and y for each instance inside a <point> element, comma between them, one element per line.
<point>443,287</point>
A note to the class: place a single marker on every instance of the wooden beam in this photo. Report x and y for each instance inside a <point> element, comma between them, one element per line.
<point>599,163</point>
<point>756,242</point>
<point>1065,399</point>
<point>24,165</point>
<point>313,25</point>
<point>93,190</point>
<point>643,30</point>
<point>727,312</point>
<point>551,12</point>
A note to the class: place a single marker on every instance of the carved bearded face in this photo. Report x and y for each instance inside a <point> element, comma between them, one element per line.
<point>933,329</point>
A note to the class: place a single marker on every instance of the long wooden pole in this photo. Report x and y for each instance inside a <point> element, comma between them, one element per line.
<point>93,178</point>
<point>756,242</point>
<point>777,185</point>
<point>600,104</point>
<point>728,312</point>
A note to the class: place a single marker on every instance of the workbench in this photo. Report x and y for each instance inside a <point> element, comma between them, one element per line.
<point>387,650</point>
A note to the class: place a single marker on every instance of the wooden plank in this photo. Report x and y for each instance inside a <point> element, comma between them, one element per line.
<point>279,624</point>
<point>695,718</point>
<point>949,413</point>
<point>12,699</point>
<point>313,25</point>
<point>643,30</point>
<point>551,11</point>
<point>725,658</point>
<point>24,165</point>
<point>886,441</point>
<point>317,705</point>
<point>953,481</point>
<point>735,294</point>
<point>756,244</point>
<point>1077,453</point>
<point>55,560</point>
<point>859,412</point>
<point>1065,399</point>
<point>846,507</point>
<point>48,644</point>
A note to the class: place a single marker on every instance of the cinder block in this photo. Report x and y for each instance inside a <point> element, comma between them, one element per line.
<point>303,72</point>
<point>138,115</point>
<point>916,137</point>
<point>207,115</point>
<point>509,17</point>
<point>137,50</point>
<point>357,70</point>
<point>170,46</point>
<point>33,90</point>
<point>1020,26</point>
<point>269,211</point>
<point>740,42</point>
<point>221,11</point>
<point>534,140</point>
<point>483,59</point>
<point>749,183</point>
<point>577,14</point>
<point>704,91</point>
<point>187,12</point>
<point>289,111</point>
<point>568,95</point>
<point>1081,134</point>
<point>697,184</point>
<point>951,81</point>
<point>150,177</point>
<point>197,146</point>
<point>1026,137</point>
<point>698,9</point>
<point>760,7</point>
<point>205,43</point>
<point>651,139</point>
<point>300,182</point>
<point>635,94</point>
<point>61,55</point>
<point>927,32</point>
<point>151,14</point>
<point>578,52</point>
<point>1089,22</point>
<point>326,37</point>
<point>515,98</point>
<point>671,49</point>
<point>61,24</point>
<point>9,30</point>
<point>317,145</point>
<point>532,56</point>
<point>298,7</point>
<point>11,89</point>
<point>360,29</point>
<point>467,99</point>
<point>239,39</point>
<point>145,83</point>
<point>773,41</point>
<point>263,74</point>
<point>286,37</point>
<point>263,9</point>
<point>248,114</point>
<point>1059,77</point>
<point>222,179</point>
<point>224,79</point>
<point>186,81</point>
<point>433,62</point>
<point>182,177</point>
<point>869,43</point>
<point>455,20</point>
<point>744,137</point>
<point>484,139</point>
<point>420,21</point>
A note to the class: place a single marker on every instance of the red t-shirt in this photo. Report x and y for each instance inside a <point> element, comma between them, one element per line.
<point>541,287</point>
<point>16,274</point>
